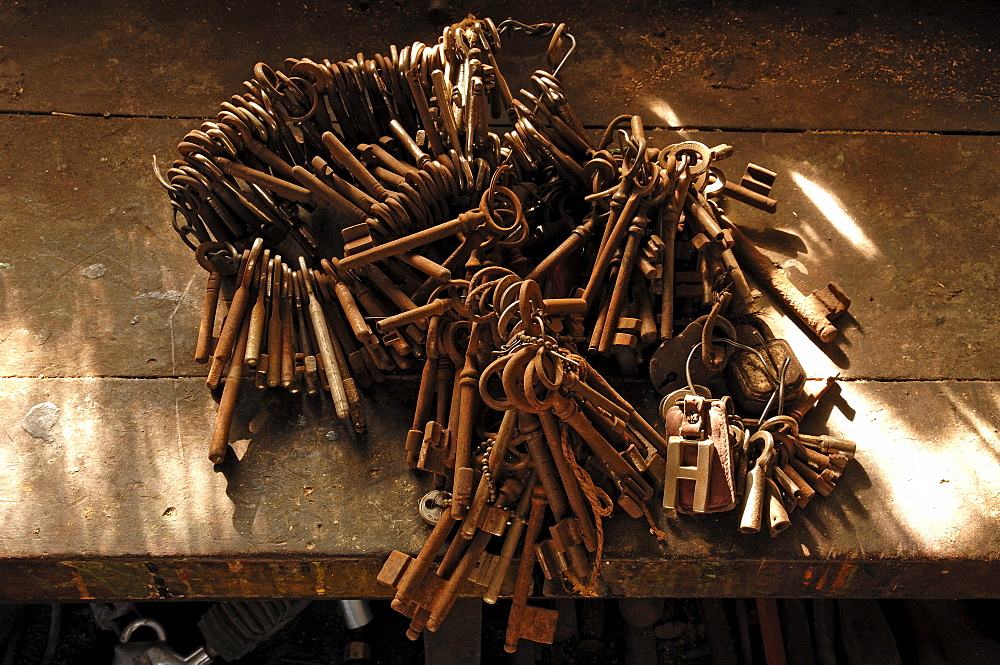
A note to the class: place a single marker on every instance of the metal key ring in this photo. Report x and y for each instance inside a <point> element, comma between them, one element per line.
<point>229,119</point>
<point>702,151</point>
<point>267,78</point>
<point>559,372</point>
<point>530,305</point>
<point>715,181</point>
<point>186,231</point>
<point>494,370</point>
<point>513,376</point>
<point>224,141</point>
<point>530,376</point>
<point>215,248</point>
<point>484,275</point>
<point>505,292</point>
<point>310,93</point>
<point>126,635</point>
<point>507,322</point>
<point>766,443</point>
<point>783,424</point>
<point>309,70</point>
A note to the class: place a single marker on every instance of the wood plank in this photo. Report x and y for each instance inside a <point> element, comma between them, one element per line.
<point>124,483</point>
<point>79,198</point>
<point>883,217</point>
<point>813,66</point>
<point>906,252</point>
<point>127,472</point>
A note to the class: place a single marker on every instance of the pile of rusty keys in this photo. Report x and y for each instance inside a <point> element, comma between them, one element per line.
<point>542,404</point>
<point>511,262</point>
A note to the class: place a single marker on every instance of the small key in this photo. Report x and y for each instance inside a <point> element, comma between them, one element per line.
<point>756,490</point>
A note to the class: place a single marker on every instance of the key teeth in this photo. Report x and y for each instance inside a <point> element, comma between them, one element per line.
<point>758,179</point>
<point>832,299</point>
<point>357,238</point>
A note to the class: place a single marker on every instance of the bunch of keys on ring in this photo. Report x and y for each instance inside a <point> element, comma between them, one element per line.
<point>554,433</point>
<point>717,461</point>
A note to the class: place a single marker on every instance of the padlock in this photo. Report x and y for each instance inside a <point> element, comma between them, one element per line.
<point>669,365</point>
<point>153,653</point>
<point>753,377</point>
<point>700,474</point>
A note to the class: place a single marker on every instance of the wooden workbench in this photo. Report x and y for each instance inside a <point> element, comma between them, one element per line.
<point>882,124</point>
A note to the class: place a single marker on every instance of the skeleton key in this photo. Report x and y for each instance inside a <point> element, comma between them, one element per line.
<point>325,343</point>
<point>511,539</point>
<point>632,417</point>
<point>669,218</point>
<point>629,480</point>
<point>526,622</point>
<point>227,404</point>
<point>578,237</point>
<point>373,308</point>
<point>274,323</point>
<point>464,223</point>
<point>306,348</point>
<point>208,311</point>
<point>346,158</point>
<point>288,379</point>
<point>566,532</point>
<point>635,231</point>
<point>234,318</point>
<point>425,395</point>
<point>481,500</point>
<point>468,393</point>
<point>615,232</point>
<point>407,574</point>
<point>436,453</point>
<point>777,515</point>
<point>754,188</point>
<point>756,489</point>
<point>445,599</point>
<point>790,490</point>
<point>815,311</point>
<point>554,432</point>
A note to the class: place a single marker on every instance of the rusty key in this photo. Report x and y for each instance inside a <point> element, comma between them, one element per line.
<point>234,318</point>
<point>526,622</point>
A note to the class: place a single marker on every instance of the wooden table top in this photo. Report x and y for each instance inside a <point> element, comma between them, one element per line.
<point>883,129</point>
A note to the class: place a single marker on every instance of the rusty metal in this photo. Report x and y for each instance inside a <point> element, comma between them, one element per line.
<point>527,622</point>
<point>496,258</point>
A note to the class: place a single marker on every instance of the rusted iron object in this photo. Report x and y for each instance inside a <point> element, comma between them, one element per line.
<point>365,217</point>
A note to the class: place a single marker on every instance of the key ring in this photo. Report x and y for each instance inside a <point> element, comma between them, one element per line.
<point>762,458</point>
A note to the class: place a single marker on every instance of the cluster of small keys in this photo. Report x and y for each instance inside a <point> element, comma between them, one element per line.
<point>362,216</point>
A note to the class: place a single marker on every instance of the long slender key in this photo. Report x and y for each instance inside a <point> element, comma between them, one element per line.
<point>287,333</point>
<point>526,622</point>
<point>479,505</point>
<point>325,346</point>
<point>234,318</point>
<point>570,484</point>
<point>304,338</point>
<point>531,431</point>
<point>227,405</point>
<point>274,322</point>
<point>207,325</point>
<point>425,395</point>
<point>813,310</point>
<point>258,313</point>
<point>468,398</point>
<point>408,581</point>
<point>756,489</point>
<point>512,538</point>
